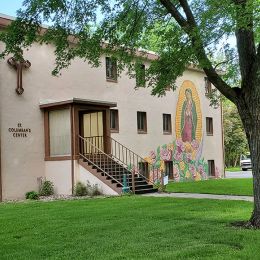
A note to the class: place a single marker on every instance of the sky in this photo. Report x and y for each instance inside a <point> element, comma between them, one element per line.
<point>9,7</point>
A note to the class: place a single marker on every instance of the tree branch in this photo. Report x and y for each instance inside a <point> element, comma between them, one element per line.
<point>174,12</point>
<point>190,27</point>
<point>245,41</point>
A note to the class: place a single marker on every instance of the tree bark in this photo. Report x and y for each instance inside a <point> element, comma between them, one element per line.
<point>249,109</point>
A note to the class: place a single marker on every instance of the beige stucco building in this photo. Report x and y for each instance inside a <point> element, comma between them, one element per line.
<point>62,128</point>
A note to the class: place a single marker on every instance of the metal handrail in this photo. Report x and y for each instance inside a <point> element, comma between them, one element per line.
<point>101,153</point>
<point>135,157</point>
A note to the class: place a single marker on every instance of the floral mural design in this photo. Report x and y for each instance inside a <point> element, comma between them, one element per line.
<point>186,151</point>
<point>186,158</point>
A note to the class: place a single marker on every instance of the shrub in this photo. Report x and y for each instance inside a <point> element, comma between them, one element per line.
<point>47,188</point>
<point>95,191</point>
<point>32,195</point>
<point>80,189</point>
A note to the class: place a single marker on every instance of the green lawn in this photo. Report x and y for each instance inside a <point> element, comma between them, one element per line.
<point>220,186</point>
<point>127,228</point>
<point>233,169</point>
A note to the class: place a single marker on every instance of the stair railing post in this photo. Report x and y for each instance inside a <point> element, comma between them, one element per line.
<point>133,180</point>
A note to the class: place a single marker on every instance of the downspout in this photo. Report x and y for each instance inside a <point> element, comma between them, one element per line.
<point>72,132</point>
<point>222,133</point>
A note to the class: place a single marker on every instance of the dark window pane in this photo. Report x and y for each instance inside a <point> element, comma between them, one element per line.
<point>169,169</point>
<point>167,123</point>
<point>211,165</point>
<point>209,125</point>
<point>111,68</point>
<point>114,119</point>
<point>141,121</point>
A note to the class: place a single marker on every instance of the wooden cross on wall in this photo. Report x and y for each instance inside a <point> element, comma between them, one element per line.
<point>19,66</point>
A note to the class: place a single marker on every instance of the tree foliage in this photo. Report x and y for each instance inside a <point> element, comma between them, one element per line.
<point>234,135</point>
<point>124,26</point>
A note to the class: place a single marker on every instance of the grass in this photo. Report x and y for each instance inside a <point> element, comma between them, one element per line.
<point>220,186</point>
<point>127,228</point>
<point>233,169</point>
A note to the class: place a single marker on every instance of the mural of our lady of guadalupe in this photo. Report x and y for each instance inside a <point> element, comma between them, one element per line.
<point>188,122</point>
<point>188,118</point>
<point>186,150</point>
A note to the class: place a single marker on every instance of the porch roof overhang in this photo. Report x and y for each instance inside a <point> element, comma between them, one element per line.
<point>78,101</point>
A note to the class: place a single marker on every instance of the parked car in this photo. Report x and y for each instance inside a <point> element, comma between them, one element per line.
<point>245,162</point>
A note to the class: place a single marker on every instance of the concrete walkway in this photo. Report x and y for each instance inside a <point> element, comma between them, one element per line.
<point>199,196</point>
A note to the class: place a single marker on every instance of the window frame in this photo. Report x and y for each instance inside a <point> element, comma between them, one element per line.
<point>208,86</point>
<point>167,132</point>
<point>211,168</point>
<point>48,156</point>
<point>170,174</point>
<point>116,129</point>
<point>113,63</point>
<point>209,126</point>
<point>144,130</point>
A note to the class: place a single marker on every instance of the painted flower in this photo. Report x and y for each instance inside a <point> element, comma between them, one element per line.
<point>187,175</point>
<point>152,155</point>
<point>148,159</point>
<point>192,170</point>
<point>176,173</point>
<point>195,144</point>
<point>165,154</point>
<point>188,148</point>
<point>188,157</point>
<point>180,146</point>
<point>178,157</point>
<point>193,155</point>
<point>197,177</point>
<point>170,146</point>
<point>182,165</point>
<point>162,166</point>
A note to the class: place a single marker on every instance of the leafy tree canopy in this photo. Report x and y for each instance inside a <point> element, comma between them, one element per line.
<point>125,26</point>
<point>235,137</point>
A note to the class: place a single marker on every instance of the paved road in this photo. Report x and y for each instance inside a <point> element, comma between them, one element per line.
<point>240,174</point>
<point>199,196</point>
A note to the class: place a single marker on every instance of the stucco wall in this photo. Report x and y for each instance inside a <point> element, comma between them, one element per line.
<point>23,159</point>
<point>86,177</point>
<point>59,172</point>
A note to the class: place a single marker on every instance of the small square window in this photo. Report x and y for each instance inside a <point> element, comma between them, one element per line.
<point>141,122</point>
<point>140,75</point>
<point>111,69</point>
<point>208,86</point>
<point>211,165</point>
<point>169,169</point>
<point>167,124</point>
<point>209,125</point>
<point>114,122</point>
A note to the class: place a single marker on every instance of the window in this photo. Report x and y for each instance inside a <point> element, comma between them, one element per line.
<point>141,122</point>
<point>169,169</point>
<point>167,124</point>
<point>211,165</point>
<point>140,75</point>
<point>143,169</point>
<point>114,124</point>
<point>111,69</point>
<point>208,86</point>
<point>209,125</point>
<point>59,132</point>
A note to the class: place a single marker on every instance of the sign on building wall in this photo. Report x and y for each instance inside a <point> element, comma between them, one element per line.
<point>19,131</point>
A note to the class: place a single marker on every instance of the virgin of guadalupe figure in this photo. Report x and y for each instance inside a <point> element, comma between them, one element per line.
<point>188,118</point>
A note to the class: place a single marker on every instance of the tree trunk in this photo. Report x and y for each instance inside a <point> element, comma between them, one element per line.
<point>250,116</point>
